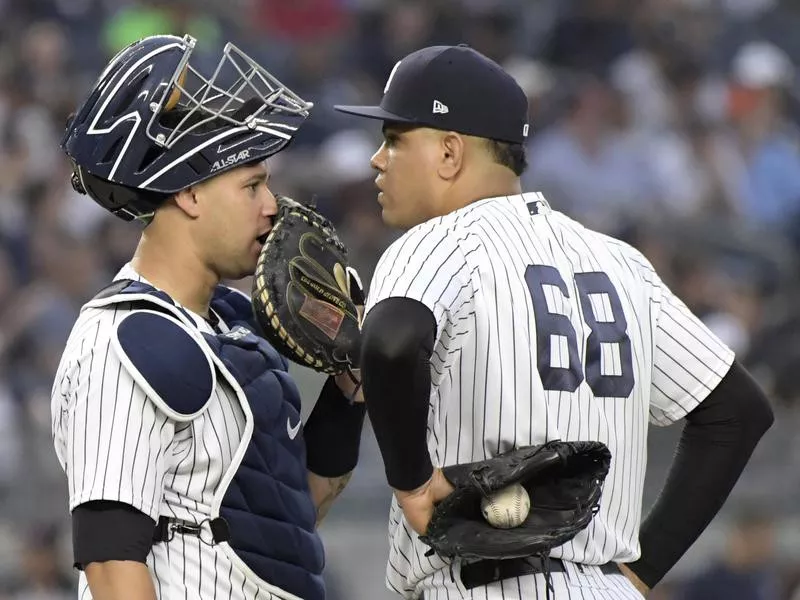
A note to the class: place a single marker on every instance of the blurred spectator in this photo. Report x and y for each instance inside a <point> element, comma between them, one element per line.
<point>151,17</point>
<point>43,576</point>
<point>538,81</point>
<point>387,34</point>
<point>747,571</point>
<point>10,442</point>
<point>46,48</point>
<point>299,20</point>
<point>587,166</point>
<point>351,199</point>
<point>747,9</point>
<point>591,36</point>
<point>758,157</point>
<point>664,78</point>
<point>491,29</point>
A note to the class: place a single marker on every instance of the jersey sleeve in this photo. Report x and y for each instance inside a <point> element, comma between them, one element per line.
<point>427,264</point>
<point>114,442</point>
<point>689,361</point>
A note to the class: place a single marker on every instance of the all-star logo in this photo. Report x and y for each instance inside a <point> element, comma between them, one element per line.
<point>230,160</point>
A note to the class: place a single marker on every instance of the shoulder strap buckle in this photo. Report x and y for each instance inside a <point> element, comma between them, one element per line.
<point>216,532</point>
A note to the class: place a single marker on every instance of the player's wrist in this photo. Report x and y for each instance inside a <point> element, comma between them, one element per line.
<point>640,586</point>
<point>349,382</point>
<point>410,474</point>
<point>333,432</point>
<point>642,575</point>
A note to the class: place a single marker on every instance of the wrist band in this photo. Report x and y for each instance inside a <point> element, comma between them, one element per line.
<point>333,433</point>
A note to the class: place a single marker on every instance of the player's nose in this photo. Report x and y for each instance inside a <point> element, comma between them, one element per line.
<point>378,160</point>
<point>269,208</point>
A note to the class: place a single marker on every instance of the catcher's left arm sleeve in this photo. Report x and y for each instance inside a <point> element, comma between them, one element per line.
<point>396,346</point>
<point>716,444</point>
<point>91,522</point>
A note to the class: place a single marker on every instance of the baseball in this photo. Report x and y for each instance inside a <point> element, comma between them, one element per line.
<point>507,508</point>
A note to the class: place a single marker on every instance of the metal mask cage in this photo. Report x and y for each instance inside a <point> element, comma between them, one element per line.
<point>216,101</point>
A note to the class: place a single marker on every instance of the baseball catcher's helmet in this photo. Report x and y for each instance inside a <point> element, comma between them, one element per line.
<point>152,125</point>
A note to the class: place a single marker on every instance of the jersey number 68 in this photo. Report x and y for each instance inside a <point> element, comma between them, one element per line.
<point>608,361</point>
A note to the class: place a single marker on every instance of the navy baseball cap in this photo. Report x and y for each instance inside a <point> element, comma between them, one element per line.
<point>453,88</point>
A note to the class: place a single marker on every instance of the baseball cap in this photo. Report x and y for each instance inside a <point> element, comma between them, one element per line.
<point>453,88</point>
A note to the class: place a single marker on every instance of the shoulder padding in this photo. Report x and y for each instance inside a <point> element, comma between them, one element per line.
<point>168,360</point>
<point>233,306</point>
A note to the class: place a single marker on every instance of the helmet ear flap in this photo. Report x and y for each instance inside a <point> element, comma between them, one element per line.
<point>125,202</point>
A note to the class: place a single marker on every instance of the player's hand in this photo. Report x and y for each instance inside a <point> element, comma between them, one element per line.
<point>632,577</point>
<point>418,504</point>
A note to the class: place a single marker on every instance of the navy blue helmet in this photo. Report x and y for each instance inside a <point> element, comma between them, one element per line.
<point>153,125</point>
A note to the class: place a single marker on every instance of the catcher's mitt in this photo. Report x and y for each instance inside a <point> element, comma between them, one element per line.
<point>564,481</point>
<point>305,295</point>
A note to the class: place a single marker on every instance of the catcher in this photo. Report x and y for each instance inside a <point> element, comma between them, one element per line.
<point>189,472</point>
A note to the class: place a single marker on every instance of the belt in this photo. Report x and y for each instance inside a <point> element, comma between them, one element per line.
<point>488,571</point>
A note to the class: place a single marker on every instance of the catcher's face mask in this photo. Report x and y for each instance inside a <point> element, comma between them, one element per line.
<point>155,122</point>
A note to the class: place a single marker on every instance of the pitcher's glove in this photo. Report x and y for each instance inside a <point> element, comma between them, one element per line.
<point>305,295</point>
<point>563,479</point>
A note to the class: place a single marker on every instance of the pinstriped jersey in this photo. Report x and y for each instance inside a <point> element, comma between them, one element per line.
<point>115,444</point>
<point>545,330</point>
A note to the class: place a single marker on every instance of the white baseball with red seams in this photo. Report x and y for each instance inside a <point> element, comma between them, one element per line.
<point>506,508</point>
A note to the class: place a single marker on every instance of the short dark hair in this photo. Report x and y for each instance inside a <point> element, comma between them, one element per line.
<point>510,155</point>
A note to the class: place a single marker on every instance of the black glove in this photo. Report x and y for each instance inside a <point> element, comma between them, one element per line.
<point>563,479</point>
<point>305,295</point>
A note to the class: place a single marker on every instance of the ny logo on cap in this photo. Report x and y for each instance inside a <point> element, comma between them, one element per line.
<point>439,108</point>
<point>391,76</point>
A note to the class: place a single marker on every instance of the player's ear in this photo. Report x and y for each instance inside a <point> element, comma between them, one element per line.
<point>188,202</point>
<point>453,146</point>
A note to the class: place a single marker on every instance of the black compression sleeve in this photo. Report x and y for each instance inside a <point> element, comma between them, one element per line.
<point>104,530</point>
<point>719,436</point>
<point>333,433</point>
<point>397,342</point>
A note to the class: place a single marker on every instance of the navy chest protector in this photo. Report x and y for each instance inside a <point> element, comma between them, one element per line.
<point>263,498</point>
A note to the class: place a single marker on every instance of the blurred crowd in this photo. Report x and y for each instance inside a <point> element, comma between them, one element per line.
<point>672,124</point>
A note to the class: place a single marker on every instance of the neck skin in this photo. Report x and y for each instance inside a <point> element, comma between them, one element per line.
<point>173,266</point>
<point>486,181</point>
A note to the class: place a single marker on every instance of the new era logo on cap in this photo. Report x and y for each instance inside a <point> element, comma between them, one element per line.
<point>439,108</point>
